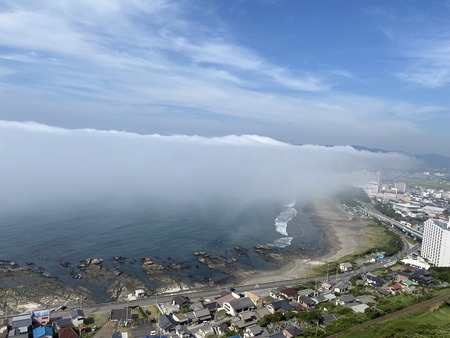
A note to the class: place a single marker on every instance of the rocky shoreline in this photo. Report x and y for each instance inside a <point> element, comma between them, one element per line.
<point>27,288</point>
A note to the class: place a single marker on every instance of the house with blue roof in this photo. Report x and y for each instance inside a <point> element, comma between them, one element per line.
<point>43,332</point>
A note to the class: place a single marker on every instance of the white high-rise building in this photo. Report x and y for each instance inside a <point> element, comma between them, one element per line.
<point>436,242</point>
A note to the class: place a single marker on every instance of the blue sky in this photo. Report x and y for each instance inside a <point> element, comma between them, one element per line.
<point>373,73</point>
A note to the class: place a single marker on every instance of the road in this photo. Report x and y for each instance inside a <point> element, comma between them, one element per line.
<point>383,218</point>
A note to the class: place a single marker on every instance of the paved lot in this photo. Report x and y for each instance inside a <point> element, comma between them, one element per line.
<point>106,330</point>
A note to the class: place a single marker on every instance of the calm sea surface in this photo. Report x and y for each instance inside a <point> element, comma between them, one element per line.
<point>164,233</point>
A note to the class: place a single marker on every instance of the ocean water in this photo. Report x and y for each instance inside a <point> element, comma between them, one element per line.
<point>167,233</point>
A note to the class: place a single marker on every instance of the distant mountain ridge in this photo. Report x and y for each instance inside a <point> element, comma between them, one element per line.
<point>432,161</point>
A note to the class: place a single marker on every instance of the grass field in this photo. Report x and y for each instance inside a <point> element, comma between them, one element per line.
<point>421,182</point>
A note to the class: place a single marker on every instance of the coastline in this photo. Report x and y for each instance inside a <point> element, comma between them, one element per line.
<point>341,236</point>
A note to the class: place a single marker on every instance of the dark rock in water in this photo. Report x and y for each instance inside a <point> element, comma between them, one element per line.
<point>66,264</point>
<point>147,261</point>
<point>176,266</point>
<point>119,258</point>
<point>29,263</point>
<point>241,251</point>
<point>270,253</point>
<point>74,274</point>
<point>90,261</point>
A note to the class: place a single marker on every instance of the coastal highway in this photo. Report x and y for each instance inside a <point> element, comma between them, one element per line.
<point>383,218</point>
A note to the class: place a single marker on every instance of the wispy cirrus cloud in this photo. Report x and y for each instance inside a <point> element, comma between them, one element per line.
<point>429,64</point>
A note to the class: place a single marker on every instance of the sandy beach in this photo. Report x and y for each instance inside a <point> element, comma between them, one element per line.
<point>342,236</point>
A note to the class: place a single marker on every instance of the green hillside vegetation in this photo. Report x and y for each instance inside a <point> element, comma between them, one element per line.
<point>434,323</point>
<point>352,195</point>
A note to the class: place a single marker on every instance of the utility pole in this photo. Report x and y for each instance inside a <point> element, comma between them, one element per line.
<point>126,315</point>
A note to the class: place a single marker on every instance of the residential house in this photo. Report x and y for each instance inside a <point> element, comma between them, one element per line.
<point>383,291</point>
<point>238,305</point>
<point>41,317</point>
<point>324,319</point>
<point>248,316</point>
<point>407,283</point>
<point>257,300</point>
<point>366,299</point>
<point>275,293</point>
<point>422,276</point>
<point>319,299</point>
<point>346,266</point>
<point>180,301</point>
<point>182,331</point>
<point>396,288</point>
<point>341,287</point>
<point>22,323</point>
<point>390,276</point>
<point>205,331</point>
<point>67,332</point>
<point>253,331</point>
<point>277,334</point>
<point>346,300</point>
<point>197,306</point>
<point>62,322</point>
<point>180,318</point>
<point>261,312</point>
<point>359,308</point>
<point>373,280</point>
<point>166,323</point>
<point>401,276</point>
<point>324,287</point>
<point>306,292</point>
<point>291,332</point>
<point>225,297</point>
<point>280,306</point>
<point>330,296</point>
<point>221,329</point>
<point>238,324</point>
<point>306,302</point>
<point>77,317</point>
<point>288,294</point>
<point>43,332</point>
<point>212,307</point>
<point>202,315</point>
